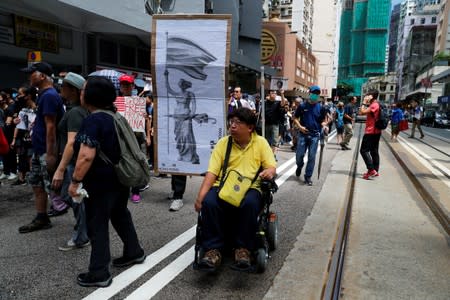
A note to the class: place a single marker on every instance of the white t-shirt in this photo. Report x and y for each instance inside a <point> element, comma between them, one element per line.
<point>418,112</point>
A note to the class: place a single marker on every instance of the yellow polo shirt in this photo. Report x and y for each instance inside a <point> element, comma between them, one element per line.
<point>246,161</point>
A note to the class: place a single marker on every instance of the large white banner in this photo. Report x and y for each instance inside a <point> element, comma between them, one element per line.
<point>190,57</point>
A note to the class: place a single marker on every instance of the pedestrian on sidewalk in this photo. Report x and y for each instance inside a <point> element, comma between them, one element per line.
<point>108,198</point>
<point>417,119</point>
<point>348,123</point>
<point>397,116</point>
<point>68,127</point>
<point>339,119</point>
<point>311,118</point>
<point>371,139</point>
<point>49,111</point>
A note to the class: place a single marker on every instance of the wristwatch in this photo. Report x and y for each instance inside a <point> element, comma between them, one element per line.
<point>76,181</point>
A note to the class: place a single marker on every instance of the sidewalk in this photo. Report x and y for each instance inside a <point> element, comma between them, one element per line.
<point>397,249</point>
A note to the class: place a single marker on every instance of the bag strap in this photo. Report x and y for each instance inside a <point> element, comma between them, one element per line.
<point>225,163</point>
<point>101,154</point>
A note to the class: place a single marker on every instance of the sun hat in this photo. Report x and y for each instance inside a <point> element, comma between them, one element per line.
<point>74,80</point>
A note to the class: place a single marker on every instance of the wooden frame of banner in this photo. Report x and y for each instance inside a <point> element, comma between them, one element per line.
<point>155,18</point>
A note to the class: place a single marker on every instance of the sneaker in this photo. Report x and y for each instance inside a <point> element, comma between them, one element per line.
<point>176,205</point>
<point>144,188</point>
<point>211,260</point>
<point>36,224</point>
<point>19,182</point>
<point>422,136</point>
<point>135,198</point>
<point>298,171</point>
<point>128,261</point>
<point>370,173</point>
<point>308,181</point>
<point>12,176</point>
<point>70,245</point>
<point>3,176</point>
<point>55,213</point>
<point>242,258</point>
<point>87,279</point>
<point>410,137</point>
<point>344,147</point>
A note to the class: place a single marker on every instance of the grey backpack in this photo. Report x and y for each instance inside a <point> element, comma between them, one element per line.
<point>132,169</point>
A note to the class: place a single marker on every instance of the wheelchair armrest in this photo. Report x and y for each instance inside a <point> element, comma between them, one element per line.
<point>269,185</point>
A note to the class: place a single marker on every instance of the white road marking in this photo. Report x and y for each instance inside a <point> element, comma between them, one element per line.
<point>128,276</point>
<point>166,275</point>
<point>432,165</point>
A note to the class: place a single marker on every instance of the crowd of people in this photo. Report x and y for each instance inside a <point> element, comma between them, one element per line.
<point>57,140</point>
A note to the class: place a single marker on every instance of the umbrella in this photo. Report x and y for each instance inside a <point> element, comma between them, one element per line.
<point>322,145</point>
<point>111,74</point>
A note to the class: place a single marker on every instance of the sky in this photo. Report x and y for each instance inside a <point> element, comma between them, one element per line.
<point>394,2</point>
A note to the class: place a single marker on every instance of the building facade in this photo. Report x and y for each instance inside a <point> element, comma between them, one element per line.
<point>83,36</point>
<point>363,39</point>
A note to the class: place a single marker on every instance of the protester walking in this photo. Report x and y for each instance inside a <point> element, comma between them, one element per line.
<point>108,198</point>
<point>44,160</point>
<point>371,139</point>
<point>67,129</point>
<point>311,118</point>
<point>339,120</point>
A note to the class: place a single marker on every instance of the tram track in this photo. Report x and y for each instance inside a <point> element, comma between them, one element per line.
<point>332,286</point>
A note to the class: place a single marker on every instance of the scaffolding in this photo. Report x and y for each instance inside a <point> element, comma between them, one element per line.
<point>363,39</point>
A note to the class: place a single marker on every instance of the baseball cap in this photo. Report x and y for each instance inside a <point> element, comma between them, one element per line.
<point>42,67</point>
<point>126,78</point>
<point>314,89</point>
<point>74,79</point>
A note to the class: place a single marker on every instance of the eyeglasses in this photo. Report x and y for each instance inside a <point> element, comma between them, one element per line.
<point>237,122</point>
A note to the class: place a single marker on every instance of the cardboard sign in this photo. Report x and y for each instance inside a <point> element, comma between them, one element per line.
<point>133,109</point>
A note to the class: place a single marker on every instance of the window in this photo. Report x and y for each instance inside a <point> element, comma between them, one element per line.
<point>433,20</point>
<point>422,21</point>
<point>65,38</point>
<point>143,59</point>
<point>108,52</point>
<point>127,56</point>
<point>412,21</point>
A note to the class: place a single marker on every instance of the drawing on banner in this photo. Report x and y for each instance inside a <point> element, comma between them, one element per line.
<point>133,109</point>
<point>191,59</point>
<point>189,78</point>
<point>27,117</point>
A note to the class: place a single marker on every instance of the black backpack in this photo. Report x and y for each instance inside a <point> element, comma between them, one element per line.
<point>383,120</point>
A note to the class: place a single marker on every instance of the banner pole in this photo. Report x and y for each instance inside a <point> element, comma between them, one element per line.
<point>263,104</point>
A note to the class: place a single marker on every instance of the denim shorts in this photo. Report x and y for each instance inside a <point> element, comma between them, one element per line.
<point>38,175</point>
<point>272,135</point>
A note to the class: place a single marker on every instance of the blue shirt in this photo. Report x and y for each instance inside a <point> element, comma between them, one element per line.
<point>397,116</point>
<point>311,116</point>
<point>49,103</point>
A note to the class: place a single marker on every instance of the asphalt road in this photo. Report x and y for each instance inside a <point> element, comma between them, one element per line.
<point>32,267</point>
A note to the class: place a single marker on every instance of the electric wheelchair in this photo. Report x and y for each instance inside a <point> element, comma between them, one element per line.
<point>266,236</point>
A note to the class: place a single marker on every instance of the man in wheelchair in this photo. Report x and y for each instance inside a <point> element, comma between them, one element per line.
<point>223,219</point>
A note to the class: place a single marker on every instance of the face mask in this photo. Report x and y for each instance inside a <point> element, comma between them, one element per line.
<point>314,97</point>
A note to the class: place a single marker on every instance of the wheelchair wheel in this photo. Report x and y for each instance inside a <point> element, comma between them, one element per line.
<point>261,260</point>
<point>272,231</point>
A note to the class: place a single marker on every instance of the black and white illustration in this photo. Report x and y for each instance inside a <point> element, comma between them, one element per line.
<point>190,86</point>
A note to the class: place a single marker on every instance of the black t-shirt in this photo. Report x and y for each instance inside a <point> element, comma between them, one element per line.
<point>70,122</point>
<point>274,112</point>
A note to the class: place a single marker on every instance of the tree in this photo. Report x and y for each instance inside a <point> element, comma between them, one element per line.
<point>343,89</point>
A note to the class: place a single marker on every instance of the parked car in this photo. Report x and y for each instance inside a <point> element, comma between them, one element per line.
<point>435,119</point>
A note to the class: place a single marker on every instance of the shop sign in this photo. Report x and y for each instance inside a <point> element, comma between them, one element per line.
<point>34,34</point>
<point>443,99</point>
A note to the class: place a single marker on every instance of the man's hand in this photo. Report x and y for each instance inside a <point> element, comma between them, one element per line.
<point>57,179</point>
<point>303,129</point>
